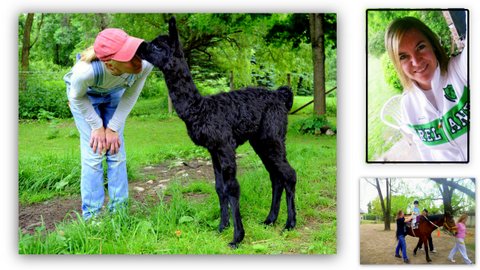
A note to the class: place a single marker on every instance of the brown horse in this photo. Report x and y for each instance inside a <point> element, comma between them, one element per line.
<point>426,225</point>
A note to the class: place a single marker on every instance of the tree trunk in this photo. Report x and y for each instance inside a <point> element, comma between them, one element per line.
<point>318,55</point>
<point>456,186</point>
<point>26,51</point>
<point>385,208</point>
<point>388,211</point>
<point>447,193</point>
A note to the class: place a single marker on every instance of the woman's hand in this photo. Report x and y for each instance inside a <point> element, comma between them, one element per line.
<point>112,141</point>
<point>97,140</point>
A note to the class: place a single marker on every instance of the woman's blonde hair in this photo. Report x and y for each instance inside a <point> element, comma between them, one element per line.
<point>462,218</point>
<point>394,34</point>
<point>88,55</point>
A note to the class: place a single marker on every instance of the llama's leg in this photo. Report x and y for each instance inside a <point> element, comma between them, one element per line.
<point>226,157</point>
<point>221,192</point>
<point>282,175</point>
<point>290,183</point>
<point>277,190</point>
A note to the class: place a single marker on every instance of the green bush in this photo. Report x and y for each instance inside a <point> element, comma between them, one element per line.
<point>390,74</point>
<point>212,86</point>
<point>43,99</point>
<point>376,43</point>
<point>154,86</point>
<point>313,125</point>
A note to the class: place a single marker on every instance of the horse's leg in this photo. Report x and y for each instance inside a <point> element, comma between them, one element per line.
<point>425,246</point>
<point>419,244</point>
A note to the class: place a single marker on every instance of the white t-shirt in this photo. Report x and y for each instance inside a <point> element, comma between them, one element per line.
<point>441,132</point>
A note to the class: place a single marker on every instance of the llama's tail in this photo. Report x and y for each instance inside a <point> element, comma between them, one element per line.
<point>287,95</point>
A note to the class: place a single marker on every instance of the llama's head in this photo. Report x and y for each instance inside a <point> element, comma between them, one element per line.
<point>163,49</point>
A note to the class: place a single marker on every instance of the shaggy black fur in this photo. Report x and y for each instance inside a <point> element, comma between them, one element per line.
<point>224,121</point>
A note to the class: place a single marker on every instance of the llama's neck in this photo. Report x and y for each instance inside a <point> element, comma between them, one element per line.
<point>182,89</point>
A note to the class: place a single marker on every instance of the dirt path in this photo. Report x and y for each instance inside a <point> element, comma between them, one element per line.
<point>152,179</point>
<point>378,246</point>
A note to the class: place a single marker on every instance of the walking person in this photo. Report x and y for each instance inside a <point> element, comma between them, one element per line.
<point>400,234</point>
<point>460,241</point>
<point>430,239</point>
<point>102,88</point>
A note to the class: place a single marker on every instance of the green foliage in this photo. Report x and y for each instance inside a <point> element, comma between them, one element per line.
<point>313,125</point>
<point>390,73</point>
<point>155,86</point>
<point>380,136</point>
<point>376,43</point>
<point>44,98</point>
<point>215,46</point>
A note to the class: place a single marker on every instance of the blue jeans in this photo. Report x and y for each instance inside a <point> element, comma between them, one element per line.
<point>402,245</point>
<point>92,182</point>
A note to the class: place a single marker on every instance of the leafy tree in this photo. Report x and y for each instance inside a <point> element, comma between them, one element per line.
<point>223,50</point>
<point>384,199</point>
<point>320,31</point>
<point>26,26</point>
<point>448,188</point>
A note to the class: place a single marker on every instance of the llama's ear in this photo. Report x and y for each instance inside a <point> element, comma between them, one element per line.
<point>172,29</point>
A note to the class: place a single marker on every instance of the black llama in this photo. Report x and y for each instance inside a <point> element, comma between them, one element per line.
<point>224,121</point>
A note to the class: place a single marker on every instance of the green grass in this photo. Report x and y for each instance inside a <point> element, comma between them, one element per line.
<point>379,135</point>
<point>49,167</point>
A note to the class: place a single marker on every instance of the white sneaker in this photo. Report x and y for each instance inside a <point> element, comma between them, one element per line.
<point>434,251</point>
<point>452,260</point>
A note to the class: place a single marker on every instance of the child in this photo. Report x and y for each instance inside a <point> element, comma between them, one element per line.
<point>459,241</point>
<point>415,214</point>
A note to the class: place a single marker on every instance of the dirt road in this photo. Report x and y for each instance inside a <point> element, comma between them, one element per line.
<point>378,246</point>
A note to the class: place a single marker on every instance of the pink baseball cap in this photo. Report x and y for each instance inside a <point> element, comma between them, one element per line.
<point>115,44</point>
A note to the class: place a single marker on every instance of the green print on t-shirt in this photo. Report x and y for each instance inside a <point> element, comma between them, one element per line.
<point>455,122</point>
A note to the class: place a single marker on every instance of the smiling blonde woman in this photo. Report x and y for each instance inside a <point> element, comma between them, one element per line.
<point>435,103</point>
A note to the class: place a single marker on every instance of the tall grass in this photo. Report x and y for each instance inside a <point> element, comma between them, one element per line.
<point>180,223</point>
<point>380,137</point>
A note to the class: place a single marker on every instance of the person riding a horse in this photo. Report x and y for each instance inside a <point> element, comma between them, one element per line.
<point>415,214</point>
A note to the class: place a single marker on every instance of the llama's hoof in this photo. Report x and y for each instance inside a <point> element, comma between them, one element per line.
<point>222,227</point>
<point>268,223</point>
<point>290,225</point>
<point>233,245</point>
